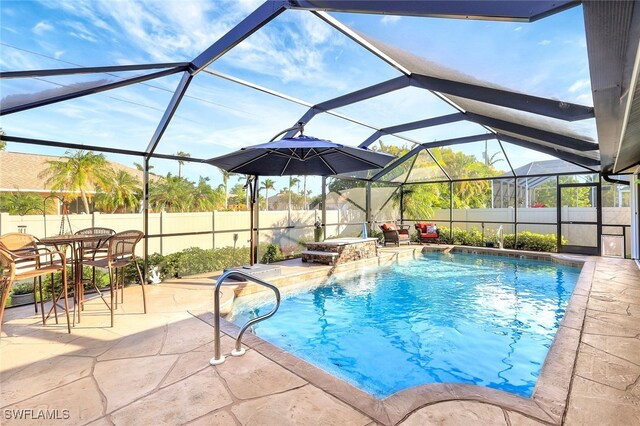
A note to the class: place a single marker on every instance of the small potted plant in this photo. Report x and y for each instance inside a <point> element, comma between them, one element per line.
<point>22,294</point>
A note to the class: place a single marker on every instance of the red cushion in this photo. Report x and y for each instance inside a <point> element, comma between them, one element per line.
<point>385,227</point>
<point>422,226</point>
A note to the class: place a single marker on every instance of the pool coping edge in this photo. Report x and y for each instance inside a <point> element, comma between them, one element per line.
<point>547,403</point>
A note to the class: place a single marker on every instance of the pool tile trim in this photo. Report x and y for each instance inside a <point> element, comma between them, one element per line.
<point>550,396</point>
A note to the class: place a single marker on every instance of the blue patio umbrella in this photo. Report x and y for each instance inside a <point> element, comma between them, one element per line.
<point>301,155</point>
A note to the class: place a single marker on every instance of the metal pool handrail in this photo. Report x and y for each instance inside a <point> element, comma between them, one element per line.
<point>500,237</point>
<point>239,350</point>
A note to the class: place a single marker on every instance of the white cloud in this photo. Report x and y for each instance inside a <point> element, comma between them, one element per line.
<point>517,28</point>
<point>317,30</point>
<point>544,42</point>
<point>580,85</point>
<point>58,54</point>
<point>80,31</point>
<point>585,99</point>
<point>42,27</point>
<point>390,19</point>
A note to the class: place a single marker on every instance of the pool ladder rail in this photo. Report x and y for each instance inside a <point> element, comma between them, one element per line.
<point>238,350</point>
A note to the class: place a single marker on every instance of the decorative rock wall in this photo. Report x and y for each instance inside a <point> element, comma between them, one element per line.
<point>347,252</point>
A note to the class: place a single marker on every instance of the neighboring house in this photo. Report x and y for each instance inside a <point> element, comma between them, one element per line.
<point>19,173</point>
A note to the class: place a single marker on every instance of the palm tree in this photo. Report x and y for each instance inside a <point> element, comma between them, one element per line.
<point>174,194</point>
<point>123,190</point>
<point>77,172</point>
<point>205,197</point>
<point>225,179</point>
<point>267,185</point>
<point>140,167</point>
<point>182,154</point>
<point>20,203</point>
<point>238,193</point>
<point>292,181</point>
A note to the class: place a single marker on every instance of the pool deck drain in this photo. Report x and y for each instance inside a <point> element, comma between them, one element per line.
<point>153,368</point>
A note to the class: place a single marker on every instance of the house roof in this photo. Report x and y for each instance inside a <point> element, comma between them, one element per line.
<point>20,172</point>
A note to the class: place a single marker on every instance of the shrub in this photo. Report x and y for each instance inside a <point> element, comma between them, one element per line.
<point>23,288</point>
<point>272,254</point>
<point>526,240</point>
<point>532,241</point>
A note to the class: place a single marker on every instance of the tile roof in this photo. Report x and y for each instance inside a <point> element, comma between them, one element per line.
<point>19,172</point>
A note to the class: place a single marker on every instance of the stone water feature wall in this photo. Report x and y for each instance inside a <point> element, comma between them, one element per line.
<point>347,250</point>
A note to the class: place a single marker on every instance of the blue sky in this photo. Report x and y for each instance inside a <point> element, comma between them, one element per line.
<point>296,54</point>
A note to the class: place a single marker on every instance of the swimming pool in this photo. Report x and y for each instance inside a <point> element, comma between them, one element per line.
<point>464,318</point>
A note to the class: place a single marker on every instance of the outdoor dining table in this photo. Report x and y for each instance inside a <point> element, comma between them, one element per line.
<point>76,242</point>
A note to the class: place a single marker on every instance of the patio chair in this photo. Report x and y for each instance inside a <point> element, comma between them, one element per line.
<point>427,232</point>
<point>22,258</point>
<point>92,249</point>
<point>113,254</point>
<point>394,234</point>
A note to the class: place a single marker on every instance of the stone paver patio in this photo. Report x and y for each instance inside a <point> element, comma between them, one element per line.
<point>153,369</point>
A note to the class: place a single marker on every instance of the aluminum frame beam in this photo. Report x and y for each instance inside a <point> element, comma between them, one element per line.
<point>543,135</point>
<point>521,11</point>
<point>400,161</point>
<point>558,153</point>
<point>421,124</point>
<point>89,91</point>
<point>459,141</point>
<point>533,104</point>
<point>249,25</point>
<point>89,70</point>
<point>436,144</point>
<point>71,145</point>
<point>366,93</point>
<point>169,112</point>
<point>567,156</point>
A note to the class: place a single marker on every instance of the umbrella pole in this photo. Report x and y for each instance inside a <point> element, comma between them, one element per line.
<point>253,185</point>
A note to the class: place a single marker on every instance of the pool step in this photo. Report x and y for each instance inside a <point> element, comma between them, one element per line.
<point>326,257</point>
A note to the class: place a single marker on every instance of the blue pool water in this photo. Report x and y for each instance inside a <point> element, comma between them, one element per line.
<point>483,320</point>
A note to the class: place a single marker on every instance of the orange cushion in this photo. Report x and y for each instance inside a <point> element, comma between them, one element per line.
<point>389,227</point>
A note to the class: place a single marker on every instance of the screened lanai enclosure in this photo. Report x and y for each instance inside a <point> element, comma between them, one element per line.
<point>519,130</point>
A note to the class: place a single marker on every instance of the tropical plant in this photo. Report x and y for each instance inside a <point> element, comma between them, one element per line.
<point>140,167</point>
<point>173,194</point>
<point>238,193</point>
<point>267,184</point>
<point>181,154</point>
<point>20,203</point>
<point>3,144</point>
<point>122,191</point>
<point>79,171</point>
<point>206,198</point>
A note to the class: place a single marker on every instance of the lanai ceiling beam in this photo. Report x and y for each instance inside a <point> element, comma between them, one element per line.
<point>520,11</point>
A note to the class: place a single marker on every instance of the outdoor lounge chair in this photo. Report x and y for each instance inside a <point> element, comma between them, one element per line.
<point>427,232</point>
<point>394,234</point>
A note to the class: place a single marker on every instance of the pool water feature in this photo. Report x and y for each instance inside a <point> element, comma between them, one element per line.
<point>463,318</point>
